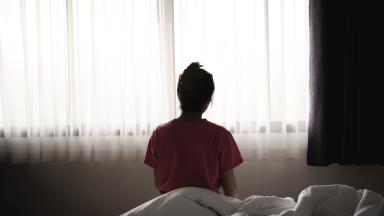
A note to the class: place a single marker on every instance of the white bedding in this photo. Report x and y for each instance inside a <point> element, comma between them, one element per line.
<point>317,200</point>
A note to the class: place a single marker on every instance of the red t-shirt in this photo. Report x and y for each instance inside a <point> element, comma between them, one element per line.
<point>191,153</point>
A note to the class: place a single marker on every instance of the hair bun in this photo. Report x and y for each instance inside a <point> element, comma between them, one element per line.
<point>193,66</point>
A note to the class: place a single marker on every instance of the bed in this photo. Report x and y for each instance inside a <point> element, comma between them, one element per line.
<point>316,200</point>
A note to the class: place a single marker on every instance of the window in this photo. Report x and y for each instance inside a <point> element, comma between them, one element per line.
<point>90,79</point>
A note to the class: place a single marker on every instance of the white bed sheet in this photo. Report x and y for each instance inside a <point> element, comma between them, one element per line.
<point>316,200</point>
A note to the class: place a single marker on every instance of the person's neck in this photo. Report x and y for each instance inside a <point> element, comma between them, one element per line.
<point>190,115</point>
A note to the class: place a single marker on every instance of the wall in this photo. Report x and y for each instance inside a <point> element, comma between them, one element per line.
<point>113,188</point>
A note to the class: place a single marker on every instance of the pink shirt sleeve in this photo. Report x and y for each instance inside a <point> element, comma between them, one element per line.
<point>150,156</point>
<point>230,156</point>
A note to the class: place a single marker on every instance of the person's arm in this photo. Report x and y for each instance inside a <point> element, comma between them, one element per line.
<point>228,181</point>
<point>156,179</point>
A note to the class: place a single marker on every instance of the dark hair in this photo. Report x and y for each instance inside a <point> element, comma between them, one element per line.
<point>194,88</point>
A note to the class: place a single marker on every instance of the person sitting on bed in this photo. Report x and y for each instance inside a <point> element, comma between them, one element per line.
<point>190,151</point>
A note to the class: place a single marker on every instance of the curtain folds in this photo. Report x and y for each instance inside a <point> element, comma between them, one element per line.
<point>346,93</point>
<point>80,71</point>
<point>89,80</point>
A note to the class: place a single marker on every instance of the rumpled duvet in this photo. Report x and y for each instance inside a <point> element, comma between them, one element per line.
<point>316,200</point>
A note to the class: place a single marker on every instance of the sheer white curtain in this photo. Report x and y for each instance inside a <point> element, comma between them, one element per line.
<point>90,79</point>
<point>80,79</point>
<point>257,51</point>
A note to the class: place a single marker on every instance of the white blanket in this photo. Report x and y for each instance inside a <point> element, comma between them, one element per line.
<point>317,200</point>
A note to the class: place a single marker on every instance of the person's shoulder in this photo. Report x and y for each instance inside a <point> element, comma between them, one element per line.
<point>164,127</point>
<point>216,127</point>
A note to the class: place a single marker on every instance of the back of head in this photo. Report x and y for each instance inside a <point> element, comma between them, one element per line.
<point>195,88</point>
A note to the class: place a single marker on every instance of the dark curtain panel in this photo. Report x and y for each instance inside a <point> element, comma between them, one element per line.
<point>346,122</point>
